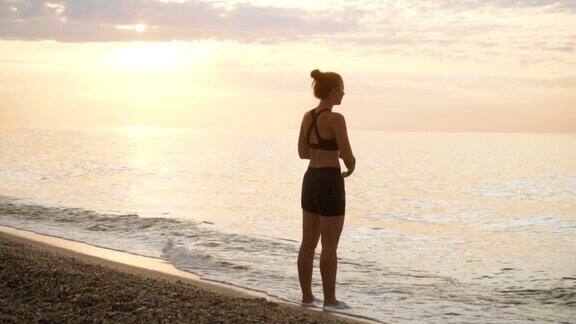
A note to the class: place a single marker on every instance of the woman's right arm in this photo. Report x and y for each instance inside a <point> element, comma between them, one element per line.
<point>341,134</point>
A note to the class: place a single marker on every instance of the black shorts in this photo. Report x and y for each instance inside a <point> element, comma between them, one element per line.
<point>323,191</point>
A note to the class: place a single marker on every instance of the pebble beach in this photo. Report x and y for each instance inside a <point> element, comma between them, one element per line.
<point>40,285</point>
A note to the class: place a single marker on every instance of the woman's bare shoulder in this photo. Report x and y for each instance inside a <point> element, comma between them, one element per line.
<point>337,117</point>
<point>307,116</point>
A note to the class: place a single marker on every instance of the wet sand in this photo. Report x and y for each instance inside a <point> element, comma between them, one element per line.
<point>44,282</point>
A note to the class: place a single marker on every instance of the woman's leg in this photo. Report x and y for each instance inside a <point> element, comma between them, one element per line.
<point>310,236</point>
<point>331,228</point>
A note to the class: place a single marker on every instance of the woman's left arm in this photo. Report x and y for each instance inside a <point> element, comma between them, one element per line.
<point>303,148</point>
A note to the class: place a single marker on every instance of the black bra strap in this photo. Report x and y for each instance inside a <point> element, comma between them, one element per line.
<point>314,125</point>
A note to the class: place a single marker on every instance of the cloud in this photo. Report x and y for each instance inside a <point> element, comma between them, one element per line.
<point>531,31</point>
<point>464,5</point>
<point>92,20</point>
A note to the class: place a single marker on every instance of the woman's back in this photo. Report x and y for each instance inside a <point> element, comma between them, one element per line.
<point>320,123</point>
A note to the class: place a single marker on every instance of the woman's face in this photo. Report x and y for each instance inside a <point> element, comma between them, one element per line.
<point>338,94</point>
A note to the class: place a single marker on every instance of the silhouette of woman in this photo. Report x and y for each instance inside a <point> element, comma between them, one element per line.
<point>323,139</point>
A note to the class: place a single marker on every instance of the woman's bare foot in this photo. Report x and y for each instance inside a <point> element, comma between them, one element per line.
<point>339,305</point>
<point>331,302</point>
<point>308,300</point>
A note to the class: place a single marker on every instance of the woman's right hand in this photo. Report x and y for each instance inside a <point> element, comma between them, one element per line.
<point>348,172</point>
<point>350,166</point>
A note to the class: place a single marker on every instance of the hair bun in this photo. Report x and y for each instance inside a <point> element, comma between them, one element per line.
<point>315,74</point>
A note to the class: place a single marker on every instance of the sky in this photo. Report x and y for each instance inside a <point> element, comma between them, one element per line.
<point>407,65</point>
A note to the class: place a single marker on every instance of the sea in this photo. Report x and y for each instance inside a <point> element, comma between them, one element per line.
<point>440,227</point>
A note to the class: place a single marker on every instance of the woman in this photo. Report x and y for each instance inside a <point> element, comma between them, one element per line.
<point>323,139</point>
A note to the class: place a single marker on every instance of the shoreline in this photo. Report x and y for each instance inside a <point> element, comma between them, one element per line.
<point>154,269</point>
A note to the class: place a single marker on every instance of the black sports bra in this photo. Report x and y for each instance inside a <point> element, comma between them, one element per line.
<point>323,144</point>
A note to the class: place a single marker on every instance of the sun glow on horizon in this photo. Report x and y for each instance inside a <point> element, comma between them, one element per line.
<point>159,56</point>
<point>139,56</point>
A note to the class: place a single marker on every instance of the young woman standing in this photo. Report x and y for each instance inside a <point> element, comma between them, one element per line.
<point>324,140</point>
